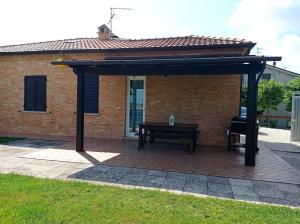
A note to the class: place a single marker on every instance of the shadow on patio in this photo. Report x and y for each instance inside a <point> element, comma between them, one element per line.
<point>207,160</point>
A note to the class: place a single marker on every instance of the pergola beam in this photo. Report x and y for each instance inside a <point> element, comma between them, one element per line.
<point>154,70</point>
<point>183,60</point>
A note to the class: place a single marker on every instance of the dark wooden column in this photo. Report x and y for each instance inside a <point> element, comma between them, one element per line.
<point>251,141</point>
<point>80,109</point>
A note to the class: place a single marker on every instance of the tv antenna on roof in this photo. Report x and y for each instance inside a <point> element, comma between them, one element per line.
<point>260,50</point>
<point>112,14</point>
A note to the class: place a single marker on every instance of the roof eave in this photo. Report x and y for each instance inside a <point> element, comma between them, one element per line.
<point>295,74</point>
<point>247,46</point>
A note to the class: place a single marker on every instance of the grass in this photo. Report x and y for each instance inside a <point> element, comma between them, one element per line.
<point>26,199</point>
<point>4,140</point>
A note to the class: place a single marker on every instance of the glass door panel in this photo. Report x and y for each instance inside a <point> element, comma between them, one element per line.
<point>135,104</point>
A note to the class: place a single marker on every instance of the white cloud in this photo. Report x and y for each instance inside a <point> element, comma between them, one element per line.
<point>35,20</point>
<point>274,25</point>
<point>290,48</point>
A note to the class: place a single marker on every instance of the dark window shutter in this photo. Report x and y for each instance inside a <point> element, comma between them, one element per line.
<point>40,94</point>
<point>91,94</point>
<point>29,94</point>
<point>35,93</point>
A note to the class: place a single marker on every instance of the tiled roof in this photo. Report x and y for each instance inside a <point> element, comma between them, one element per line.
<point>85,44</point>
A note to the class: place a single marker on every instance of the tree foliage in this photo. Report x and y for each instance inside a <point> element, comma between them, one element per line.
<point>270,94</point>
<point>291,87</point>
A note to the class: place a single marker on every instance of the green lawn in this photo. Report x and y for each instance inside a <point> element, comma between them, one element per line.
<point>4,140</point>
<point>31,200</point>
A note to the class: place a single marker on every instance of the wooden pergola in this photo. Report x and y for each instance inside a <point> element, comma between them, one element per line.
<point>253,66</point>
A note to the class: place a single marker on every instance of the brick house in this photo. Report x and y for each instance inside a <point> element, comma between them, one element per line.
<point>37,98</point>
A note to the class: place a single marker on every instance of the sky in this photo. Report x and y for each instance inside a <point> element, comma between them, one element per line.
<point>273,24</point>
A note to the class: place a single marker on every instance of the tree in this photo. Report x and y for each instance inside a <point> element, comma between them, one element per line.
<point>291,87</point>
<point>270,94</point>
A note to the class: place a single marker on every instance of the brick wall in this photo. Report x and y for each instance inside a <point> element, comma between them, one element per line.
<point>60,118</point>
<point>208,100</point>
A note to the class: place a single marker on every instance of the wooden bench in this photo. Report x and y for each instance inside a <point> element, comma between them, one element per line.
<point>156,130</point>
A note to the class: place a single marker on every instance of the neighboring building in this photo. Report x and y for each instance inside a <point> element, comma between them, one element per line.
<point>37,98</point>
<point>281,116</point>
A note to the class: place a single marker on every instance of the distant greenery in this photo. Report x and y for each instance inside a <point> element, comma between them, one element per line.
<point>271,123</point>
<point>26,199</point>
<point>291,87</point>
<point>4,140</point>
<point>244,96</point>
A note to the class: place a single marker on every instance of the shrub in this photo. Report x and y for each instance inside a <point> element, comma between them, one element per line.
<point>291,87</point>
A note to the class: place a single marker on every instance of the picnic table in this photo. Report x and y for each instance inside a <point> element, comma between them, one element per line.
<point>164,130</point>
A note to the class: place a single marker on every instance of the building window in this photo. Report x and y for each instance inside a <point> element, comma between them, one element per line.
<point>266,76</point>
<point>91,94</point>
<point>35,93</point>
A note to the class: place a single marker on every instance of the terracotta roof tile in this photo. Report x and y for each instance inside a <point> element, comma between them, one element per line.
<point>118,43</point>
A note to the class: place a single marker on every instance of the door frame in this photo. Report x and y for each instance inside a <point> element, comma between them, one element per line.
<point>127,134</point>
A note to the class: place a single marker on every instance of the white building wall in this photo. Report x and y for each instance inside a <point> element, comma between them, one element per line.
<point>282,116</point>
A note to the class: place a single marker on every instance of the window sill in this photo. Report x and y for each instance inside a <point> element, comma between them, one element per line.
<point>35,112</point>
<point>91,114</point>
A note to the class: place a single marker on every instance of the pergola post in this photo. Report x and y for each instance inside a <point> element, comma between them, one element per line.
<point>251,139</point>
<point>80,109</point>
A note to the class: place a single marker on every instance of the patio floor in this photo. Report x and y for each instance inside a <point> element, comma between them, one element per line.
<point>273,162</point>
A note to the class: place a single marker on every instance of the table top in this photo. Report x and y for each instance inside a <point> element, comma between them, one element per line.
<point>165,124</point>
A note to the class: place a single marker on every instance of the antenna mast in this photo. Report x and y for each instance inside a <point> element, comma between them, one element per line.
<point>112,14</point>
<point>260,50</point>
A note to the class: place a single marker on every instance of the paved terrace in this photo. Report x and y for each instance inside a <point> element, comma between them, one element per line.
<point>211,171</point>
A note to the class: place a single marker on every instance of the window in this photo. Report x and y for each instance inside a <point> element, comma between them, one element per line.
<point>91,94</point>
<point>35,93</point>
<point>266,76</point>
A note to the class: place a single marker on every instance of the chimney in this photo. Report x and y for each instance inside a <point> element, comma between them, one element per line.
<point>104,33</point>
<point>274,63</point>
